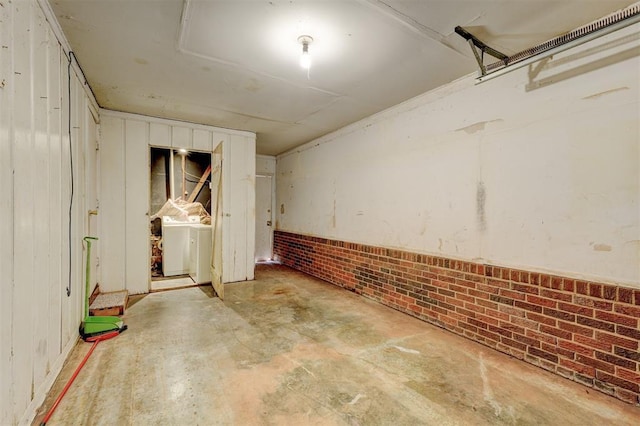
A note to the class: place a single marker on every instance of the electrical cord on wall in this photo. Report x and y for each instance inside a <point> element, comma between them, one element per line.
<point>71,55</point>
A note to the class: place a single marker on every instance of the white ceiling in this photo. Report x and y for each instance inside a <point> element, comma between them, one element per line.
<point>234,63</point>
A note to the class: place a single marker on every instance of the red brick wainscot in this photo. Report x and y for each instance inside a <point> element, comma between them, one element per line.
<point>582,330</point>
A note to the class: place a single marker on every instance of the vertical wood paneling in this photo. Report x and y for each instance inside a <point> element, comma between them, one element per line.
<point>38,322</point>
<point>91,190</point>
<point>160,135</point>
<point>56,287</point>
<point>65,197</point>
<point>181,137</point>
<point>79,217</point>
<point>22,321</point>
<point>239,208</point>
<point>202,140</point>
<point>40,162</point>
<point>250,225</point>
<point>112,204</point>
<point>137,206</point>
<point>227,219</point>
<point>6,213</point>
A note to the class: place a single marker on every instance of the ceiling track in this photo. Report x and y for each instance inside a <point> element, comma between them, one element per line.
<point>606,25</point>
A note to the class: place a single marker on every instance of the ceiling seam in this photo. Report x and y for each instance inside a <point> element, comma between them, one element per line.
<point>184,23</point>
<point>410,23</point>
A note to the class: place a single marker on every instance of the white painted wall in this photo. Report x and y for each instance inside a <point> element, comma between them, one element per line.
<point>265,165</point>
<point>38,321</point>
<point>124,182</point>
<point>555,159</point>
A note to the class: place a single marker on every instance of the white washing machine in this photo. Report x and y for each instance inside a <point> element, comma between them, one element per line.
<point>175,244</point>
<point>200,253</point>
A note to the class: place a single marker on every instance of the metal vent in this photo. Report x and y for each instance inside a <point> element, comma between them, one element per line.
<point>608,21</point>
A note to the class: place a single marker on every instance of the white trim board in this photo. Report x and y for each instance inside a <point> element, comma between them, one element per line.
<point>151,119</point>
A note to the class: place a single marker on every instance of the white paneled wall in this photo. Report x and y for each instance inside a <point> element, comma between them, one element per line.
<point>38,321</point>
<point>112,206</point>
<point>124,217</point>
<point>136,193</point>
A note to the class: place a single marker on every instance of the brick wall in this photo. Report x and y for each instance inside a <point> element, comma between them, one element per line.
<point>582,330</point>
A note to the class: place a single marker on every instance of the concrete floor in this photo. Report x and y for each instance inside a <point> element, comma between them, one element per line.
<point>288,349</point>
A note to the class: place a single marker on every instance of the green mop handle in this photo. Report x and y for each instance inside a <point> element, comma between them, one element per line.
<point>87,274</point>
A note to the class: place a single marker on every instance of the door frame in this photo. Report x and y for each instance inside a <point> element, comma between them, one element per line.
<point>273,206</point>
<point>171,179</point>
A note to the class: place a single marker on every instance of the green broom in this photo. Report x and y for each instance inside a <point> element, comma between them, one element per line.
<point>93,326</point>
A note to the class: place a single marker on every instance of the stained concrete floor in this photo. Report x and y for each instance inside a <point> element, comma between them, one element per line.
<point>287,349</point>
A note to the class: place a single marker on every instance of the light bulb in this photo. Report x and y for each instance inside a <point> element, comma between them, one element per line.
<point>305,60</point>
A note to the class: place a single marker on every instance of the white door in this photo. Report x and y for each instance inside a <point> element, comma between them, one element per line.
<point>264,218</point>
<point>216,222</point>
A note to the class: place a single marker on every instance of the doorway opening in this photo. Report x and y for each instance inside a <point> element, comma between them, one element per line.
<point>180,224</point>
<point>264,219</point>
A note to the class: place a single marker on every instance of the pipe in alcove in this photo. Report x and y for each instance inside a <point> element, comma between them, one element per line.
<point>171,173</point>
<point>183,194</point>
<point>167,173</point>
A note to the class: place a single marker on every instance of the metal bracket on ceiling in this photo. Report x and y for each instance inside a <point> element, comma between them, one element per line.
<point>477,45</point>
<point>598,28</point>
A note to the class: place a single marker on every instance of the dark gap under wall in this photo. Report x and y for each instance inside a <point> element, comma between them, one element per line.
<point>581,330</point>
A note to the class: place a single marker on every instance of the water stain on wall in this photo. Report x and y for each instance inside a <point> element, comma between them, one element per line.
<point>333,218</point>
<point>602,247</point>
<point>481,197</point>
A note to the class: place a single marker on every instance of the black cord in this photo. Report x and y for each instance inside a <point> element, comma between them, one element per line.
<point>70,162</point>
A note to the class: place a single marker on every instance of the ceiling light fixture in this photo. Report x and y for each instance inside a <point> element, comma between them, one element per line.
<point>305,59</point>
